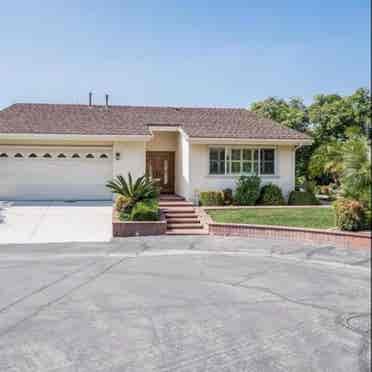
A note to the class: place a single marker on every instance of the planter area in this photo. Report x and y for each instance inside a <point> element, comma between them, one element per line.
<point>318,236</point>
<point>137,228</point>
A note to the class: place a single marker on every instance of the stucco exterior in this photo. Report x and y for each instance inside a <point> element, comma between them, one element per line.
<point>132,158</point>
<point>163,141</point>
<point>200,180</point>
<point>191,160</point>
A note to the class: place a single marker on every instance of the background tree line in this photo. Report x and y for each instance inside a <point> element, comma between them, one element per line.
<point>329,119</point>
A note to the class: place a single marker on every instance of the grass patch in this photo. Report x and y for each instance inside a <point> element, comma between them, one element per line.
<point>317,218</point>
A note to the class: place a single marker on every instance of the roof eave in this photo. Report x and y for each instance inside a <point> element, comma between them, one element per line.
<point>74,137</point>
<point>250,141</point>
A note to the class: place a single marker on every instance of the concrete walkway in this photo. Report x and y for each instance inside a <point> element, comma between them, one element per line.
<point>44,222</point>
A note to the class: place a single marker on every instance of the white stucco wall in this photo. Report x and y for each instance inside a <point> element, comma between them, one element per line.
<point>132,158</point>
<point>183,167</point>
<point>200,180</point>
<point>163,141</point>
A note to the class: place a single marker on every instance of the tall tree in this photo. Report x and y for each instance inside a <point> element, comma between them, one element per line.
<point>331,115</point>
<point>293,114</point>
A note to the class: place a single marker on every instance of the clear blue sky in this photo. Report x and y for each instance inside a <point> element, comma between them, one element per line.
<point>191,53</point>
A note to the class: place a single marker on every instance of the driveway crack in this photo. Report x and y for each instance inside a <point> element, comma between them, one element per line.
<point>60,298</point>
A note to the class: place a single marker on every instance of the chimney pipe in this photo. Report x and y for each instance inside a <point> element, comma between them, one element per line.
<point>90,98</point>
<point>107,100</point>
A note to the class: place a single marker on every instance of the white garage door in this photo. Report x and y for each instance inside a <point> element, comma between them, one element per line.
<point>55,173</point>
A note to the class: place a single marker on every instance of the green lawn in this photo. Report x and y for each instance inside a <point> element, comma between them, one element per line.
<point>318,218</point>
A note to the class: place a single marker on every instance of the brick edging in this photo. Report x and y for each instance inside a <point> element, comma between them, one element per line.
<point>234,207</point>
<point>338,238</point>
<point>138,228</point>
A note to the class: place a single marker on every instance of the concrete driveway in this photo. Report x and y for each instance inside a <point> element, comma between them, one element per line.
<point>41,222</point>
<point>184,304</point>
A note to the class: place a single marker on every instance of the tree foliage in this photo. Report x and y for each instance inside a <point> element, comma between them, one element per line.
<point>328,119</point>
<point>348,163</point>
<point>356,177</point>
<point>292,114</point>
<point>332,115</point>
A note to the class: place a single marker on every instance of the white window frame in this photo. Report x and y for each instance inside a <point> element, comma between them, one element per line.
<point>216,148</point>
<point>275,161</point>
<point>228,161</point>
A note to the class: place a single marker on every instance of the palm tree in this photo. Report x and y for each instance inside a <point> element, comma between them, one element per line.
<point>143,189</point>
<point>356,177</point>
<point>328,159</point>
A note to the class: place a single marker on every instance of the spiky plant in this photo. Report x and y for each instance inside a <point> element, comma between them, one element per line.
<point>356,178</point>
<point>142,189</point>
<point>328,158</point>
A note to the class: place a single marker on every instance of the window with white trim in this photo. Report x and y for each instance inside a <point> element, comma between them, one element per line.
<point>241,161</point>
<point>267,163</point>
<point>217,161</point>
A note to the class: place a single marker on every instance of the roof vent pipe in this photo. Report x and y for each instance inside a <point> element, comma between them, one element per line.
<point>90,98</point>
<point>107,100</point>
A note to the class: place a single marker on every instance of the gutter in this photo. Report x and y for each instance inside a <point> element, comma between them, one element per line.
<point>253,141</point>
<point>74,137</point>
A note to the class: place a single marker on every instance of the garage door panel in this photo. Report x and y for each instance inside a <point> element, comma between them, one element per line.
<point>78,178</point>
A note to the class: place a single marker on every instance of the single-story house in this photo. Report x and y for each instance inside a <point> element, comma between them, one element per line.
<point>69,152</point>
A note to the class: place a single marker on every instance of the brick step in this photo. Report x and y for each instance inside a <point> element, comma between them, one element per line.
<point>170,215</point>
<point>170,198</point>
<point>168,204</point>
<point>176,207</point>
<point>171,226</point>
<point>193,219</point>
<point>186,232</point>
<point>177,210</point>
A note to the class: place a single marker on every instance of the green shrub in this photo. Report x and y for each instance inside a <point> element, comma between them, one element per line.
<point>271,195</point>
<point>302,198</point>
<point>247,190</point>
<point>121,203</point>
<point>228,196</point>
<point>309,186</point>
<point>211,198</point>
<point>124,216</point>
<point>303,184</point>
<point>145,211</point>
<point>350,215</point>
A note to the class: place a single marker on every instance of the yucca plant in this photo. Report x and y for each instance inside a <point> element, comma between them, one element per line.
<point>142,190</point>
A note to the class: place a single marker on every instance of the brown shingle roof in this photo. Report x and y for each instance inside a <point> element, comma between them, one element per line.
<point>135,120</point>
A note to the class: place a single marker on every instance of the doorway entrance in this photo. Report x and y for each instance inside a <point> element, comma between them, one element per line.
<point>160,167</point>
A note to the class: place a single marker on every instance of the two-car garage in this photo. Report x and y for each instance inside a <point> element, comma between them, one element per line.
<point>55,172</point>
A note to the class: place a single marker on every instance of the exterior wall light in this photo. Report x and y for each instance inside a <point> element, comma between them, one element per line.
<point>117,156</point>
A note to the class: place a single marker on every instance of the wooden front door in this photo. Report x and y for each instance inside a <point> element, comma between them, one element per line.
<point>160,167</point>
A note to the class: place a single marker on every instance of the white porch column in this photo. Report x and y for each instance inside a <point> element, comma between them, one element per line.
<point>183,167</point>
